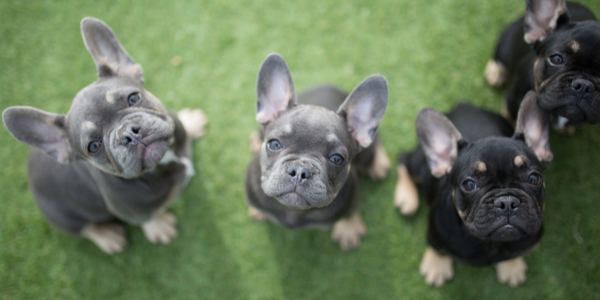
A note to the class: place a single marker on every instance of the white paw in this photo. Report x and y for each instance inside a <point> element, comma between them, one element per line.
<point>406,197</point>
<point>512,272</point>
<point>436,268</point>
<point>255,142</point>
<point>380,166</point>
<point>348,231</point>
<point>256,214</point>
<point>495,73</point>
<point>109,237</point>
<point>161,229</point>
<point>193,121</point>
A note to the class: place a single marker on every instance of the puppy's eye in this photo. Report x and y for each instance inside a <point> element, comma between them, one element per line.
<point>556,60</point>
<point>469,185</point>
<point>534,179</point>
<point>336,159</point>
<point>134,98</point>
<point>93,147</point>
<point>274,145</point>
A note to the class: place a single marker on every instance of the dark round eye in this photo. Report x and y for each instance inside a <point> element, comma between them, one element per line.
<point>469,185</point>
<point>93,147</point>
<point>274,145</point>
<point>556,60</point>
<point>133,98</point>
<point>336,159</point>
<point>534,179</point>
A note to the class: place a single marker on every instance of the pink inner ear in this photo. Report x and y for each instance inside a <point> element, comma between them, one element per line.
<point>134,70</point>
<point>274,101</point>
<point>444,151</point>
<point>360,121</point>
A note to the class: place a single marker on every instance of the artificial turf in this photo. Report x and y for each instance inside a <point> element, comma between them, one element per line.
<point>432,54</point>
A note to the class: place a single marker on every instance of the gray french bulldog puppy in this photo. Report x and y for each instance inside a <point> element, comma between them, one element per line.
<point>117,154</point>
<point>305,175</point>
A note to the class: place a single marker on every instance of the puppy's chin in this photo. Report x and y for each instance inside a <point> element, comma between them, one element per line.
<point>506,233</point>
<point>153,153</point>
<point>294,200</point>
<point>571,112</point>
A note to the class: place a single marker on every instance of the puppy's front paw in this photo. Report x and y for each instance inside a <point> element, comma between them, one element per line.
<point>406,197</point>
<point>495,73</point>
<point>436,268</point>
<point>161,229</point>
<point>348,231</point>
<point>512,272</point>
<point>193,121</point>
<point>256,214</point>
<point>109,237</point>
<point>380,166</point>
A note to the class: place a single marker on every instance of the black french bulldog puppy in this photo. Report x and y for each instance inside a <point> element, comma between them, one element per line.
<point>484,187</point>
<point>554,50</point>
<point>305,175</point>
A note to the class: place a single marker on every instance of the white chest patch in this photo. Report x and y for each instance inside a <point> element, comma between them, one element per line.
<point>170,156</point>
<point>560,124</point>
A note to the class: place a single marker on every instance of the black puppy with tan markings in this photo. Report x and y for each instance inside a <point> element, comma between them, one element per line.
<point>305,175</point>
<point>554,50</point>
<point>117,154</point>
<point>484,187</point>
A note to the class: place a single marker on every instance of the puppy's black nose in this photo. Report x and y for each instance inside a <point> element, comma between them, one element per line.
<point>298,174</point>
<point>583,86</point>
<point>507,204</point>
<point>131,135</point>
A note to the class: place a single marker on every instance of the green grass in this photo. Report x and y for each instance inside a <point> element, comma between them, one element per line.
<point>432,55</point>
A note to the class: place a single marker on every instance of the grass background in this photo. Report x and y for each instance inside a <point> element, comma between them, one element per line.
<point>431,52</point>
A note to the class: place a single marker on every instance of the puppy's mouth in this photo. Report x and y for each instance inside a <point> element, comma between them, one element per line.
<point>294,200</point>
<point>507,232</point>
<point>296,196</point>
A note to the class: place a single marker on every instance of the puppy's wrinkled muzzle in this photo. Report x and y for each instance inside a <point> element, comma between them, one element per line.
<point>298,183</point>
<point>505,216</point>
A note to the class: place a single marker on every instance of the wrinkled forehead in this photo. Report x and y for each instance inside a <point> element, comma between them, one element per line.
<point>103,92</point>
<point>310,124</point>
<point>101,97</point>
<point>582,38</point>
<point>495,155</point>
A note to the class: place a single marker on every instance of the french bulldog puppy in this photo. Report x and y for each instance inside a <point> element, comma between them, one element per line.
<point>118,154</point>
<point>484,187</point>
<point>554,50</point>
<point>305,175</point>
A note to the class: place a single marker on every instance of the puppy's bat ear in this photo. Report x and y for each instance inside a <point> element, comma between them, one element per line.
<point>533,126</point>
<point>274,89</point>
<point>39,129</point>
<point>109,55</point>
<point>439,139</point>
<point>364,109</point>
<point>542,17</point>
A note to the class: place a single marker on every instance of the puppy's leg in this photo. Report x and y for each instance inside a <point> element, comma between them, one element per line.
<point>256,214</point>
<point>255,142</point>
<point>193,121</point>
<point>348,231</point>
<point>406,197</point>
<point>161,228</point>
<point>378,170</point>
<point>109,237</point>
<point>436,268</point>
<point>495,73</point>
<point>512,272</point>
